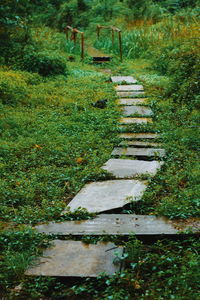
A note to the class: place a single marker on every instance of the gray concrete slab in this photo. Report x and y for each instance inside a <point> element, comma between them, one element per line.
<point>137,110</point>
<point>135,120</point>
<point>130,94</point>
<point>130,151</point>
<point>107,195</point>
<point>76,259</point>
<point>127,168</point>
<point>129,136</point>
<point>113,224</point>
<point>121,79</point>
<point>139,144</point>
<point>129,88</point>
<point>132,101</point>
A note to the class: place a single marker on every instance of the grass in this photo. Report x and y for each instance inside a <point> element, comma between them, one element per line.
<point>60,144</point>
<point>53,141</point>
<point>160,270</point>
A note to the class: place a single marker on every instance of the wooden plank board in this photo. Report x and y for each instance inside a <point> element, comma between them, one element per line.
<point>130,168</point>
<point>137,110</point>
<point>121,79</point>
<point>130,136</point>
<point>129,88</point>
<point>107,195</point>
<point>76,259</point>
<point>118,224</point>
<point>135,120</point>
<point>130,151</point>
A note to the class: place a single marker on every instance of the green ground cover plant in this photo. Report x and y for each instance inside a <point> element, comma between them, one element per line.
<point>53,140</point>
<point>59,140</point>
<point>160,270</point>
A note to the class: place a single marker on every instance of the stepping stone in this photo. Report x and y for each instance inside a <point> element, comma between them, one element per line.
<point>127,168</point>
<point>150,152</point>
<point>129,136</point>
<point>117,224</point>
<point>135,120</point>
<point>139,144</point>
<point>139,110</point>
<point>120,79</point>
<point>76,259</point>
<point>106,195</point>
<point>129,88</point>
<point>132,101</point>
<point>130,94</point>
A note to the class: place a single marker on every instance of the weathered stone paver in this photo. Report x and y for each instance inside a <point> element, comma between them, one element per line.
<point>127,168</point>
<point>137,110</point>
<point>130,151</point>
<point>107,195</point>
<point>130,94</point>
<point>129,88</point>
<point>136,143</point>
<point>76,259</point>
<point>121,79</point>
<point>111,224</point>
<point>132,101</point>
<point>135,120</point>
<point>130,136</point>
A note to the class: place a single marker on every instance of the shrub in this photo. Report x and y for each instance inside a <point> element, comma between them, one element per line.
<point>12,88</point>
<point>185,70</point>
<point>44,63</point>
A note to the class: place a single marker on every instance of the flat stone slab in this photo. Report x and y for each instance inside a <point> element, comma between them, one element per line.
<point>139,144</point>
<point>137,110</point>
<point>76,259</point>
<point>127,168</point>
<point>132,101</point>
<point>130,94</point>
<point>129,88</point>
<point>126,79</point>
<point>149,152</point>
<point>107,195</point>
<point>118,224</point>
<point>129,136</point>
<point>135,120</point>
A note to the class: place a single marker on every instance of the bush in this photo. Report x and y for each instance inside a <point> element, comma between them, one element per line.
<point>181,63</point>
<point>185,69</point>
<point>15,86</point>
<point>12,88</point>
<point>44,63</point>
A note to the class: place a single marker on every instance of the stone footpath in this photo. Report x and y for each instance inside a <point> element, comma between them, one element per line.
<point>138,154</point>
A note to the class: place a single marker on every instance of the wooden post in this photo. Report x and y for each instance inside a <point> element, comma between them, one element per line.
<point>120,46</point>
<point>113,37</point>
<point>98,31</point>
<point>66,32</point>
<point>74,37</point>
<point>82,45</point>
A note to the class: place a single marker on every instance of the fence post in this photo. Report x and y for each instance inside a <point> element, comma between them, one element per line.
<point>120,45</point>
<point>113,37</point>
<point>98,31</point>
<point>74,33</point>
<point>82,45</point>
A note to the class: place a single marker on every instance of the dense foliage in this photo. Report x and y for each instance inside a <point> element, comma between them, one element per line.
<point>53,140</point>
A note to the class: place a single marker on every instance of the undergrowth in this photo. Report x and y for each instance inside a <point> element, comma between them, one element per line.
<point>53,140</point>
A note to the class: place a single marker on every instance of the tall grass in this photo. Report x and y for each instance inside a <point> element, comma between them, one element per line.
<point>144,39</point>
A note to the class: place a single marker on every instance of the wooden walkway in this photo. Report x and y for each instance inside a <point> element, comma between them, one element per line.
<point>74,258</point>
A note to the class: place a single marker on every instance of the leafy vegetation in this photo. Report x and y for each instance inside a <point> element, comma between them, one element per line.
<point>163,269</point>
<point>53,140</point>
